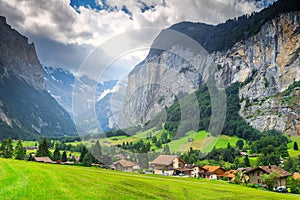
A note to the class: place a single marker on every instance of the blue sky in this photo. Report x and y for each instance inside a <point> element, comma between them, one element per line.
<point>65,31</point>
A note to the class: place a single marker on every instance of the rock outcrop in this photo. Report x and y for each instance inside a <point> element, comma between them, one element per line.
<point>18,57</point>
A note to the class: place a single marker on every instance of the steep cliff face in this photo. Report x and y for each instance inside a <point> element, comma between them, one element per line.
<point>26,109</point>
<point>266,64</point>
<point>158,81</point>
<point>18,57</point>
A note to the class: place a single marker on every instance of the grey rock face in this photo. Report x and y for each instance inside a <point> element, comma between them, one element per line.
<point>18,57</point>
<point>266,64</point>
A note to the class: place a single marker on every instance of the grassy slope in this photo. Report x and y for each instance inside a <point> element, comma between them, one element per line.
<point>29,180</point>
<point>291,150</point>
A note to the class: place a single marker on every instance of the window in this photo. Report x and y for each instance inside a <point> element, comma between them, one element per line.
<point>257,173</point>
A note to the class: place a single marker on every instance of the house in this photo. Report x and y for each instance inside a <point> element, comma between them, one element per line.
<point>166,164</point>
<point>212,172</point>
<point>230,174</point>
<point>42,159</point>
<point>30,148</point>
<point>256,175</point>
<point>244,153</point>
<point>123,165</point>
<point>189,170</point>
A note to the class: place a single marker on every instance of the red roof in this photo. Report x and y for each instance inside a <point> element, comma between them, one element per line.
<point>212,169</point>
<point>230,173</point>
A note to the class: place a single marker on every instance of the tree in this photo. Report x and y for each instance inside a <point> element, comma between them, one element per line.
<point>154,140</point>
<point>30,158</point>
<point>294,184</point>
<point>270,180</point>
<point>43,149</point>
<point>20,151</point>
<point>166,149</point>
<point>296,146</point>
<point>107,160</point>
<point>247,161</point>
<point>97,152</point>
<point>87,160</point>
<point>64,157</point>
<point>7,148</point>
<point>56,153</point>
<point>82,155</point>
<point>158,143</point>
<point>240,144</point>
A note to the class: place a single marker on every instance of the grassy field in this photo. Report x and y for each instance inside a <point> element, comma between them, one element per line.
<point>292,152</point>
<point>30,180</point>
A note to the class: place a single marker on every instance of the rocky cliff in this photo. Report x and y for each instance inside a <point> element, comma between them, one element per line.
<point>18,57</point>
<point>265,63</point>
<point>27,110</point>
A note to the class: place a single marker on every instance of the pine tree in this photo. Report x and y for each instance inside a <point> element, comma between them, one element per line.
<point>7,148</point>
<point>43,149</point>
<point>56,153</point>
<point>64,157</point>
<point>166,149</point>
<point>296,146</point>
<point>20,151</point>
<point>87,160</point>
<point>82,155</point>
<point>247,161</point>
<point>240,144</point>
<point>97,152</point>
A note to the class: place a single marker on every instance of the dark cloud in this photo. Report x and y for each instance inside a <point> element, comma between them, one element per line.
<point>52,53</point>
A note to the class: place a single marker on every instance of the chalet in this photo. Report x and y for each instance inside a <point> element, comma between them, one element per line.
<point>31,148</point>
<point>212,172</point>
<point>230,174</point>
<point>42,159</point>
<point>166,164</point>
<point>123,165</point>
<point>189,170</point>
<point>256,175</point>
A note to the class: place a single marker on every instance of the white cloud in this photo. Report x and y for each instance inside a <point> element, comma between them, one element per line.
<point>55,20</point>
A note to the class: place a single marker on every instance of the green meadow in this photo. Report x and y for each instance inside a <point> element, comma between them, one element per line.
<point>31,180</point>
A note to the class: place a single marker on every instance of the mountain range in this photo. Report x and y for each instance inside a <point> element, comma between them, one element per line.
<point>260,52</point>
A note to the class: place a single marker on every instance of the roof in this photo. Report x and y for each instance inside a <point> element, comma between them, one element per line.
<point>296,176</point>
<point>245,169</point>
<point>230,173</point>
<point>43,159</point>
<point>272,168</point>
<point>212,168</point>
<point>124,163</point>
<point>165,159</point>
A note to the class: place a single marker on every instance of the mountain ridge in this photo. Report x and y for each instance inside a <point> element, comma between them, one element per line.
<point>27,111</point>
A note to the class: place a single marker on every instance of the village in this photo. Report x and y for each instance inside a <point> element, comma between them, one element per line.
<point>173,165</point>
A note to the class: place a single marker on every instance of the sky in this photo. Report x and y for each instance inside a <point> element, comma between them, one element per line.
<point>66,31</point>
